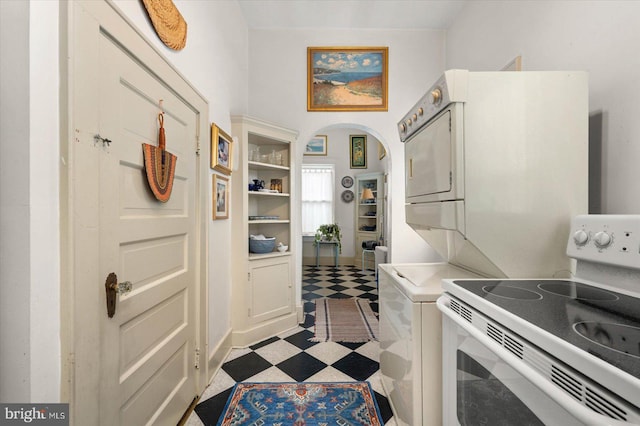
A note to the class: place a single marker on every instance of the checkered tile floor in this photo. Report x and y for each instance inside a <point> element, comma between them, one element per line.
<point>290,357</point>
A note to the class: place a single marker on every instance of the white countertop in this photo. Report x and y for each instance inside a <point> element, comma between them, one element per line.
<point>422,282</point>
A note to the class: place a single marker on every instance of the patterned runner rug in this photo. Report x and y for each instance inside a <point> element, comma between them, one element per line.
<point>301,404</point>
<point>345,320</point>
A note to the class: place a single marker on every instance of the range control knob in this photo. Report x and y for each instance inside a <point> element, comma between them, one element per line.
<point>436,96</point>
<point>415,117</point>
<point>602,239</point>
<point>403,128</point>
<point>420,111</point>
<point>580,237</point>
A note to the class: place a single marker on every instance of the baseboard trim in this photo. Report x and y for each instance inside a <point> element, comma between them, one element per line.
<point>218,355</point>
<point>328,261</point>
<point>259,332</point>
<point>300,311</point>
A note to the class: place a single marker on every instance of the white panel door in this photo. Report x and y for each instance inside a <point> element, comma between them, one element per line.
<point>141,365</point>
<point>146,242</point>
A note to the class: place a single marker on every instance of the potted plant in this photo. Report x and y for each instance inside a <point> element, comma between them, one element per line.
<point>329,232</point>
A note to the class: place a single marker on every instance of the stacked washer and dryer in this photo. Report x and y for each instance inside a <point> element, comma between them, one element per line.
<point>496,165</point>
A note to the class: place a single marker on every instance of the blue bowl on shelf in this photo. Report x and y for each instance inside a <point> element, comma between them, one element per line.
<point>262,246</point>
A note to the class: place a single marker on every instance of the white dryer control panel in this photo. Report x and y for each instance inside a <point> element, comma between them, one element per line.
<point>610,239</point>
<point>451,87</point>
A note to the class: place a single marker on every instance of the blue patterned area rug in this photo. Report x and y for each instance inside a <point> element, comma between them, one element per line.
<point>301,404</point>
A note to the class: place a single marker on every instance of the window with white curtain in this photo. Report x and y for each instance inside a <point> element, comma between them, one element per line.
<point>317,196</point>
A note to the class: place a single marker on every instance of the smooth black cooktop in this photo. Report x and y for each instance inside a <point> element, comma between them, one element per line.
<point>601,322</point>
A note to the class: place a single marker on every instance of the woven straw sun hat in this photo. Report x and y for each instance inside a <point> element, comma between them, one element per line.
<point>168,22</point>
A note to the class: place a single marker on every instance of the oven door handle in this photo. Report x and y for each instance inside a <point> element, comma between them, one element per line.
<point>580,412</point>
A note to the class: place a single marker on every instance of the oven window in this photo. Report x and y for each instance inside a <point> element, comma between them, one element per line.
<point>482,399</point>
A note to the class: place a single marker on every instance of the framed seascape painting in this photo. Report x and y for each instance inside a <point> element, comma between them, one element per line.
<point>347,78</point>
<point>220,197</point>
<point>358,151</point>
<point>221,150</point>
<point>316,146</point>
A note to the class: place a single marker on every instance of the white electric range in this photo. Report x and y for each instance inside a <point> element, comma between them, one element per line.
<point>549,351</point>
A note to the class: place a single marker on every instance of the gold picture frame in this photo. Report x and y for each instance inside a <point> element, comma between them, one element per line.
<point>317,145</point>
<point>382,152</point>
<point>220,189</point>
<point>221,150</point>
<point>347,78</point>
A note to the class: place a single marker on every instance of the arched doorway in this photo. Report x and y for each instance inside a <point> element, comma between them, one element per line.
<point>346,169</point>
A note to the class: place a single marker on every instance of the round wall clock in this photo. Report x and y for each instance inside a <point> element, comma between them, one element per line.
<point>347,196</point>
<point>347,181</point>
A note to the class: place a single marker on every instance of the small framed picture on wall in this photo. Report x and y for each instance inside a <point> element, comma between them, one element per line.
<point>220,197</point>
<point>221,150</point>
<point>382,152</point>
<point>358,151</point>
<point>317,145</point>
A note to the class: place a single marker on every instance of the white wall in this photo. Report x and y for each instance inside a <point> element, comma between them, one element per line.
<point>601,37</point>
<point>338,155</point>
<point>14,203</point>
<point>29,248</point>
<point>278,87</point>
<point>44,162</point>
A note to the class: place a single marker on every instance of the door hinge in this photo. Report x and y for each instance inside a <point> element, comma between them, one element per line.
<point>450,178</point>
<point>249,312</point>
<point>248,276</point>
<point>198,135</point>
<point>197,359</point>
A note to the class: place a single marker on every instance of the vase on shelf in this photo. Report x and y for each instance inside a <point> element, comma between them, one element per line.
<point>258,184</point>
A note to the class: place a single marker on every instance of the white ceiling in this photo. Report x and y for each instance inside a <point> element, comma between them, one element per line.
<point>407,14</point>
